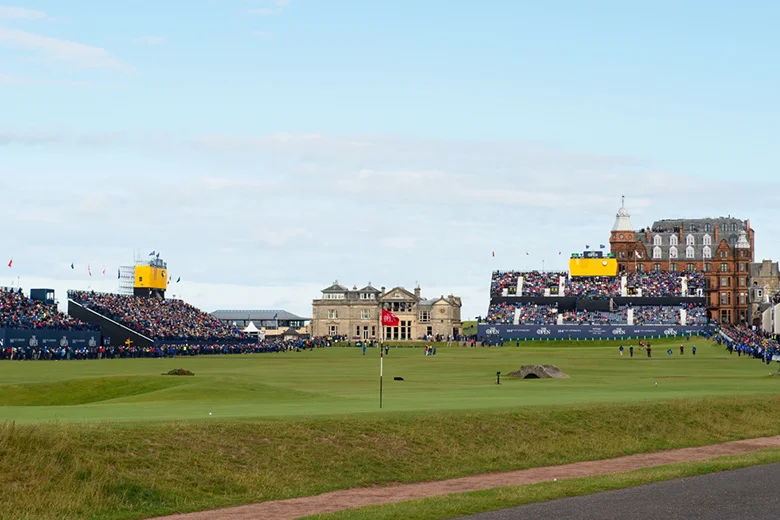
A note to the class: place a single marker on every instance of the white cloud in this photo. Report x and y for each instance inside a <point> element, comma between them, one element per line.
<point>150,40</point>
<point>57,50</point>
<point>19,13</point>
<point>261,11</point>
<point>283,215</point>
<point>282,3</point>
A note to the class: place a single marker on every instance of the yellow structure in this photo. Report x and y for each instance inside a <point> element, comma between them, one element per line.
<point>149,277</point>
<point>593,267</point>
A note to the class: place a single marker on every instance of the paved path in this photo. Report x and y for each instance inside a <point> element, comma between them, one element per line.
<point>350,498</point>
<point>730,495</point>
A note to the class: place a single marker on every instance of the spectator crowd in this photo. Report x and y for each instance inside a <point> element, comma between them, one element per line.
<point>158,319</point>
<point>18,311</point>
<point>746,341</point>
<point>529,314</point>
<point>654,284</point>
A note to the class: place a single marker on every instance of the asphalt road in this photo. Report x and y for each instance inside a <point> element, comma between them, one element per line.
<point>750,493</point>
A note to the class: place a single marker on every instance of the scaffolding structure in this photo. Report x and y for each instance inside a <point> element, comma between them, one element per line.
<point>127,275</point>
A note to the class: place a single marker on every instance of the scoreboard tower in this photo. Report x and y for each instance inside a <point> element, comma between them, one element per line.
<point>145,279</point>
<point>593,263</point>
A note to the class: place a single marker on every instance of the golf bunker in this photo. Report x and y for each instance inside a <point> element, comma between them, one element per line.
<point>538,372</point>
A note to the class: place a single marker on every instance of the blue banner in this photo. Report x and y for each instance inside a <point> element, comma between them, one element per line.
<point>588,332</point>
<point>40,338</point>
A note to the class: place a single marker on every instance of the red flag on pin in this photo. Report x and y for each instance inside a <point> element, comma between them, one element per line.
<point>389,319</point>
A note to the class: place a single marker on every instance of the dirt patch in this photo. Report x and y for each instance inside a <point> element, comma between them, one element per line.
<point>538,372</point>
<point>351,498</point>
<point>179,372</point>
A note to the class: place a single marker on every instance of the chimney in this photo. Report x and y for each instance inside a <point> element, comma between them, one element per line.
<point>417,292</point>
<point>383,291</point>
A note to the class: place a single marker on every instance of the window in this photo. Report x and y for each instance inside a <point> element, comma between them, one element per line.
<point>640,268</point>
<point>357,331</point>
<point>425,316</point>
<point>724,281</point>
<point>725,316</point>
<point>707,252</point>
<point>707,227</point>
<point>742,298</point>
<point>689,252</point>
<point>741,267</point>
<point>724,227</point>
<point>673,268</point>
<point>673,241</point>
<point>742,281</point>
<point>724,254</point>
<point>367,296</point>
<point>689,240</point>
<point>673,252</point>
<point>333,314</point>
<point>724,298</point>
<point>657,268</point>
<point>373,331</point>
<point>734,226</point>
<point>724,268</point>
<point>365,332</point>
<point>707,240</point>
<point>656,252</point>
<point>689,268</point>
<point>657,240</point>
<point>707,267</point>
<point>622,254</point>
<point>333,330</point>
<point>365,314</point>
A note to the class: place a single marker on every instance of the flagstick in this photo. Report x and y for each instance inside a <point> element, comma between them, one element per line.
<point>381,374</point>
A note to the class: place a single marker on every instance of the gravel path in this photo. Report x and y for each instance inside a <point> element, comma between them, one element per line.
<point>351,498</point>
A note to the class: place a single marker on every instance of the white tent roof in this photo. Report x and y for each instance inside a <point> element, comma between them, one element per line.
<point>251,328</point>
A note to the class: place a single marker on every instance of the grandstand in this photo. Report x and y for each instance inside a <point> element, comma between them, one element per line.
<point>532,303</point>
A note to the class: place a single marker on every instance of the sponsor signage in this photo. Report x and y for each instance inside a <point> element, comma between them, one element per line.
<point>509,332</point>
<point>51,339</point>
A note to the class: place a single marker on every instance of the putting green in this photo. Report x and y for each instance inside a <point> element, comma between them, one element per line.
<point>340,381</point>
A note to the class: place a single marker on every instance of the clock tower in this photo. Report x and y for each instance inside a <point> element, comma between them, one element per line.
<point>622,240</point>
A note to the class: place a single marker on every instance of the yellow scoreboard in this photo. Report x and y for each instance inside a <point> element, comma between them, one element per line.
<point>593,267</point>
<point>149,277</point>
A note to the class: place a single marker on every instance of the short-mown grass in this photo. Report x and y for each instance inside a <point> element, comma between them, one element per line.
<point>115,439</point>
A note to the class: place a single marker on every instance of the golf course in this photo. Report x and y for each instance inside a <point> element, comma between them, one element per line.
<point>117,439</point>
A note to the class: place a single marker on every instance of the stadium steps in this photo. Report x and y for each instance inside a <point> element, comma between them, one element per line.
<point>109,328</point>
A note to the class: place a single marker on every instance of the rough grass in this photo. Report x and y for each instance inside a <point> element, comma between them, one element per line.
<point>137,470</point>
<point>461,504</point>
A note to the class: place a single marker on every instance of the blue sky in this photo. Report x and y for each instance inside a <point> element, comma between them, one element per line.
<point>268,148</point>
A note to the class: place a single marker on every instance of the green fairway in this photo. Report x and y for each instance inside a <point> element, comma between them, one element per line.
<point>340,381</point>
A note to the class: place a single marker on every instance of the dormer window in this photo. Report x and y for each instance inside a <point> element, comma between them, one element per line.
<point>673,241</point>
<point>689,240</point>
<point>657,240</point>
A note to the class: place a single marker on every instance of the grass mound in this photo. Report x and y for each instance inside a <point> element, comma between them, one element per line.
<point>137,470</point>
<point>178,372</point>
<point>80,391</point>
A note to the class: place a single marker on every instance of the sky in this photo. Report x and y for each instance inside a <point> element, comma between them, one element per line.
<point>269,147</point>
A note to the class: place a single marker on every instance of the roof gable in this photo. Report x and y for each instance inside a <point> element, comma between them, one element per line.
<point>399,293</point>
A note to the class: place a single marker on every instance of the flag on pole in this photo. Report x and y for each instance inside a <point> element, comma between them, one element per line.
<point>89,270</point>
<point>104,271</point>
<point>602,246</point>
<point>152,253</point>
<point>587,246</point>
<point>389,319</point>
<point>11,263</point>
<point>72,267</point>
<point>178,279</point>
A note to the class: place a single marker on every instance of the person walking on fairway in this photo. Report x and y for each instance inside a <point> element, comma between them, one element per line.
<point>364,349</point>
<point>693,350</point>
<point>621,350</point>
<point>682,349</point>
<point>649,350</point>
<point>631,350</point>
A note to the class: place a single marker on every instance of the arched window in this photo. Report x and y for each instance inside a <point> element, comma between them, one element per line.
<point>673,252</point>
<point>707,252</point>
<point>707,240</point>
<point>724,227</point>
<point>734,226</point>
<point>656,252</point>
<point>657,240</point>
<point>689,240</point>
<point>689,252</point>
<point>707,227</point>
<point>673,241</point>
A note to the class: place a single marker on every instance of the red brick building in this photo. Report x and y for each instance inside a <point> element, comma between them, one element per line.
<point>722,248</point>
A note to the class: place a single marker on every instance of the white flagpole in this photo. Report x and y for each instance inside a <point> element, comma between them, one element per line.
<point>381,373</point>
